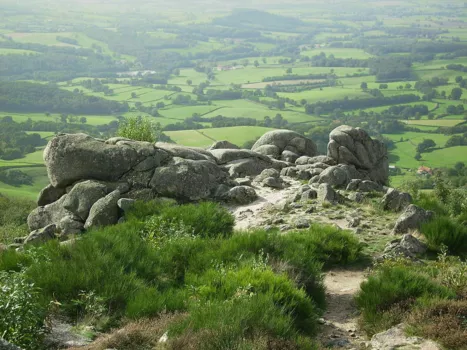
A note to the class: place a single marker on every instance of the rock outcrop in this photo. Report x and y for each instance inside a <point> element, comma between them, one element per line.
<point>285,145</point>
<point>91,180</point>
<point>353,146</point>
<point>412,219</point>
<point>395,338</point>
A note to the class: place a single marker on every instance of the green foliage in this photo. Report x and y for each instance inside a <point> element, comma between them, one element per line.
<point>174,258</point>
<point>204,219</point>
<point>448,232</point>
<point>392,289</point>
<point>22,311</point>
<point>13,215</point>
<point>138,129</point>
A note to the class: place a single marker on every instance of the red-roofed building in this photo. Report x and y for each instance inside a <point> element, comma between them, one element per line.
<point>424,170</point>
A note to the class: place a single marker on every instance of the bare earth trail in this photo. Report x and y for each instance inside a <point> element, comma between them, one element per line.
<point>339,327</point>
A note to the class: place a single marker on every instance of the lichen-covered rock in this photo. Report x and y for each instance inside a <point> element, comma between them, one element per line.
<point>41,235</point>
<point>338,175</point>
<point>104,212</point>
<point>223,145</point>
<point>287,140</point>
<point>188,180</point>
<point>73,157</point>
<point>47,215</point>
<point>50,194</point>
<point>303,160</point>
<point>273,182</point>
<point>396,201</point>
<point>126,204</point>
<point>353,146</point>
<point>192,153</point>
<point>70,225</point>
<point>395,338</point>
<point>364,186</point>
<point>412,219</point>
<point>241,195</point>
<point>224,156</point>
<point>83,195</point>
<point>267,173</point>
<point>269,150</point>
<point>327,194</point>
<point>289,156</point>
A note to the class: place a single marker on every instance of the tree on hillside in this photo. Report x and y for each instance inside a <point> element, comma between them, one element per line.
<point>425,144</point>
<point>456,94</point>
<point>288,71</point>
<point>364,86</point>
<point>189,82</point>
<point>418,156</point>
<point>408,86</point>
<point>133,95</point>
<point>256,63</point>
<point>459,79</point>
<point>83,120</point>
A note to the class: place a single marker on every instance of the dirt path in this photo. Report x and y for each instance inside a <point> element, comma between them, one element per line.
<point>339,327</point>
<point>251,215</point>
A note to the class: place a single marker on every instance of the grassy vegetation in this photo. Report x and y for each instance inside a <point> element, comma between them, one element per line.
<point>185,259</point>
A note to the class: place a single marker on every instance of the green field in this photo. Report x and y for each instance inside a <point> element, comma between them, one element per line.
<point>40,180</point>
<point>338,53</point>
<point>435,122</point>
<point>205,137</point>
<point>404,152</point>
<point>4,51</point>
<point>31,159</point>
<point>91,119</point>
<point>327,94</point>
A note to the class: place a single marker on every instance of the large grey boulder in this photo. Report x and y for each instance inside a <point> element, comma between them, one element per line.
<point>338,175</point>
<point>270,178</point>
<point>223,145</point>
<point>83,195</point>
<point>49,194</point>
<point>73,157</point>
<point>269,150</point>
<point>192,153</point>
<point>395,338</point>
<point>250,166</point>
<point>104,212</point>
<point>224,156</point>
<point>241,195</point>
<point>41,235</point>
<point>396,201</point>
<point>287,140</point>
<point>327,194</point>
<point>364,186</point>
<point>70,225</point>
<point>409,247</point>
<point>188,180</point>
<point>353,146</point>
<point>303,160</point>
<point>47,215</point>
<point>412,219</point>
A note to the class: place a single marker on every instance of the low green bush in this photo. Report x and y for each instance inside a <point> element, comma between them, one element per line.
<point>171,258</point>
<point>391,291</point>
<point>446,231</point>
<point>22,311</point>
<point>205,219</point>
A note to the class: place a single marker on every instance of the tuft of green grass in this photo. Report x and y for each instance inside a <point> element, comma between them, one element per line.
<point>391,292</point>
<point>445,231</point>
